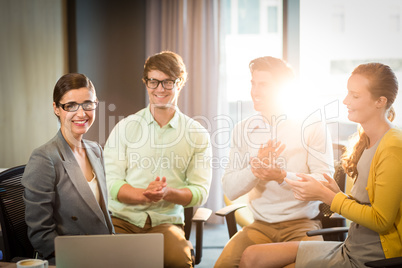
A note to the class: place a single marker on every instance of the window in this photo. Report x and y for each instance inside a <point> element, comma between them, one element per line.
<point>337,36</point>
<point>253,28</point>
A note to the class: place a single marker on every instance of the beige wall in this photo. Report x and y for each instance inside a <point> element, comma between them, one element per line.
<point>33,55</point>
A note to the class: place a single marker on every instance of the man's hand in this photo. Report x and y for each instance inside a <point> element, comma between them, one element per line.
<point>156,190</point>
<point>264,166</point>
<point>266,172</point>
<point>269,152</point>
<point>130,195</point>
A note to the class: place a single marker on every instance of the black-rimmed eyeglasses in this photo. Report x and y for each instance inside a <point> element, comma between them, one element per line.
<point>166,84</point>
<point>73,106</point>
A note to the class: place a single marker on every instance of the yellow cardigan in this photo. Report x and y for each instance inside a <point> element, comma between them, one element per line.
<point>384,187</point>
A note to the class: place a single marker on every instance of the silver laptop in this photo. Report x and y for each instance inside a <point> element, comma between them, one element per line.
<point>120,251</point>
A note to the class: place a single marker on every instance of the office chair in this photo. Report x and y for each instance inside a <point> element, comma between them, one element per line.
<point>199,218</point>
<point>12,216</point>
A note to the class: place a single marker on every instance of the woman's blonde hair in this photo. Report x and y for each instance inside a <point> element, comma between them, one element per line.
<point>382,82</point>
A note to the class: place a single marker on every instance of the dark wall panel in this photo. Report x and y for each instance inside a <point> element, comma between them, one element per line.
<point>107,43</point>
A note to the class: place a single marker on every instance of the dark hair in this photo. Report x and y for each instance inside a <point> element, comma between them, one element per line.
<point>168,63</point>
<point>69,82</point>
<point>382,82</point>
<point>279,69</point>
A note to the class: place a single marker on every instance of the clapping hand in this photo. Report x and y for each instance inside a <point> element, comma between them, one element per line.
<point>310,189</point>
<point>269,152</point>
<point>156,190</point>
<point>265,166</point>
<point>331,184</point>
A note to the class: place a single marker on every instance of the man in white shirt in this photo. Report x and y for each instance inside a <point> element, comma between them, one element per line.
<point>265,149</point>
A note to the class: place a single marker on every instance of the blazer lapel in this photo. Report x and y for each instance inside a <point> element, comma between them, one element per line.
<point>98,167</point>
<point>77,177</point>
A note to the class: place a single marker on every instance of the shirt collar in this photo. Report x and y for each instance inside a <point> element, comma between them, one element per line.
<point>175,120</point>
<point>149,118</point>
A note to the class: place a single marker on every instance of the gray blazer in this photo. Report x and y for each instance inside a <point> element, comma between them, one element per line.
<point>58,199</point>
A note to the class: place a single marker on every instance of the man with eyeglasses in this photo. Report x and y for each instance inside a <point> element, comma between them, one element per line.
<point>157,162</point>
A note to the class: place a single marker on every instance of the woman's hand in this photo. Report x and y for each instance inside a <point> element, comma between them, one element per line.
<point>331,184</point>
<point>309,189</point>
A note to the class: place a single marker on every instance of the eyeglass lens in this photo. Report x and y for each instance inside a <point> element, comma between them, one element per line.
<point>154,83</point>
<point>73,106</point>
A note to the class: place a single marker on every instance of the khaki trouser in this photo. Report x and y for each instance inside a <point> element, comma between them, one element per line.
<point>177,252</point>
<point>260,232</point>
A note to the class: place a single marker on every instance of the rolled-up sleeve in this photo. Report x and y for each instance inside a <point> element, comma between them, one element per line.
<point>116,160</point>
<point>199,170</point>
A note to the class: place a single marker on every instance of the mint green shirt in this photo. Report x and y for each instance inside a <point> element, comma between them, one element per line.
<point>138,150</point>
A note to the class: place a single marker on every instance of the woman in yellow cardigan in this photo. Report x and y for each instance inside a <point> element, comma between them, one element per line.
<point>375,203</point>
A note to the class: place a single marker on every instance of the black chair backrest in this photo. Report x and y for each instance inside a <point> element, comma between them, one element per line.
<point>340,178</point>
<point>188,220</point>
<point>326,213</point>
<point>12,215</point>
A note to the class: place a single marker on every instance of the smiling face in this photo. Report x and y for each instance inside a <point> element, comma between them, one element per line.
<point>359,101</point>
<point>75,124</point>
<point>263,91</point>
<point>159,97</point>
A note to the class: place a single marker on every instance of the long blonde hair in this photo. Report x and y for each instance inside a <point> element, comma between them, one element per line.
<point>382,82</point>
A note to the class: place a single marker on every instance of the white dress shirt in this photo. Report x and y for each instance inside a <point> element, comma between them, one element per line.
<point>308,150</point>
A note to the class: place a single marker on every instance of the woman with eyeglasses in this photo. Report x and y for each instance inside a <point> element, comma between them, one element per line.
<point>64,180</point>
